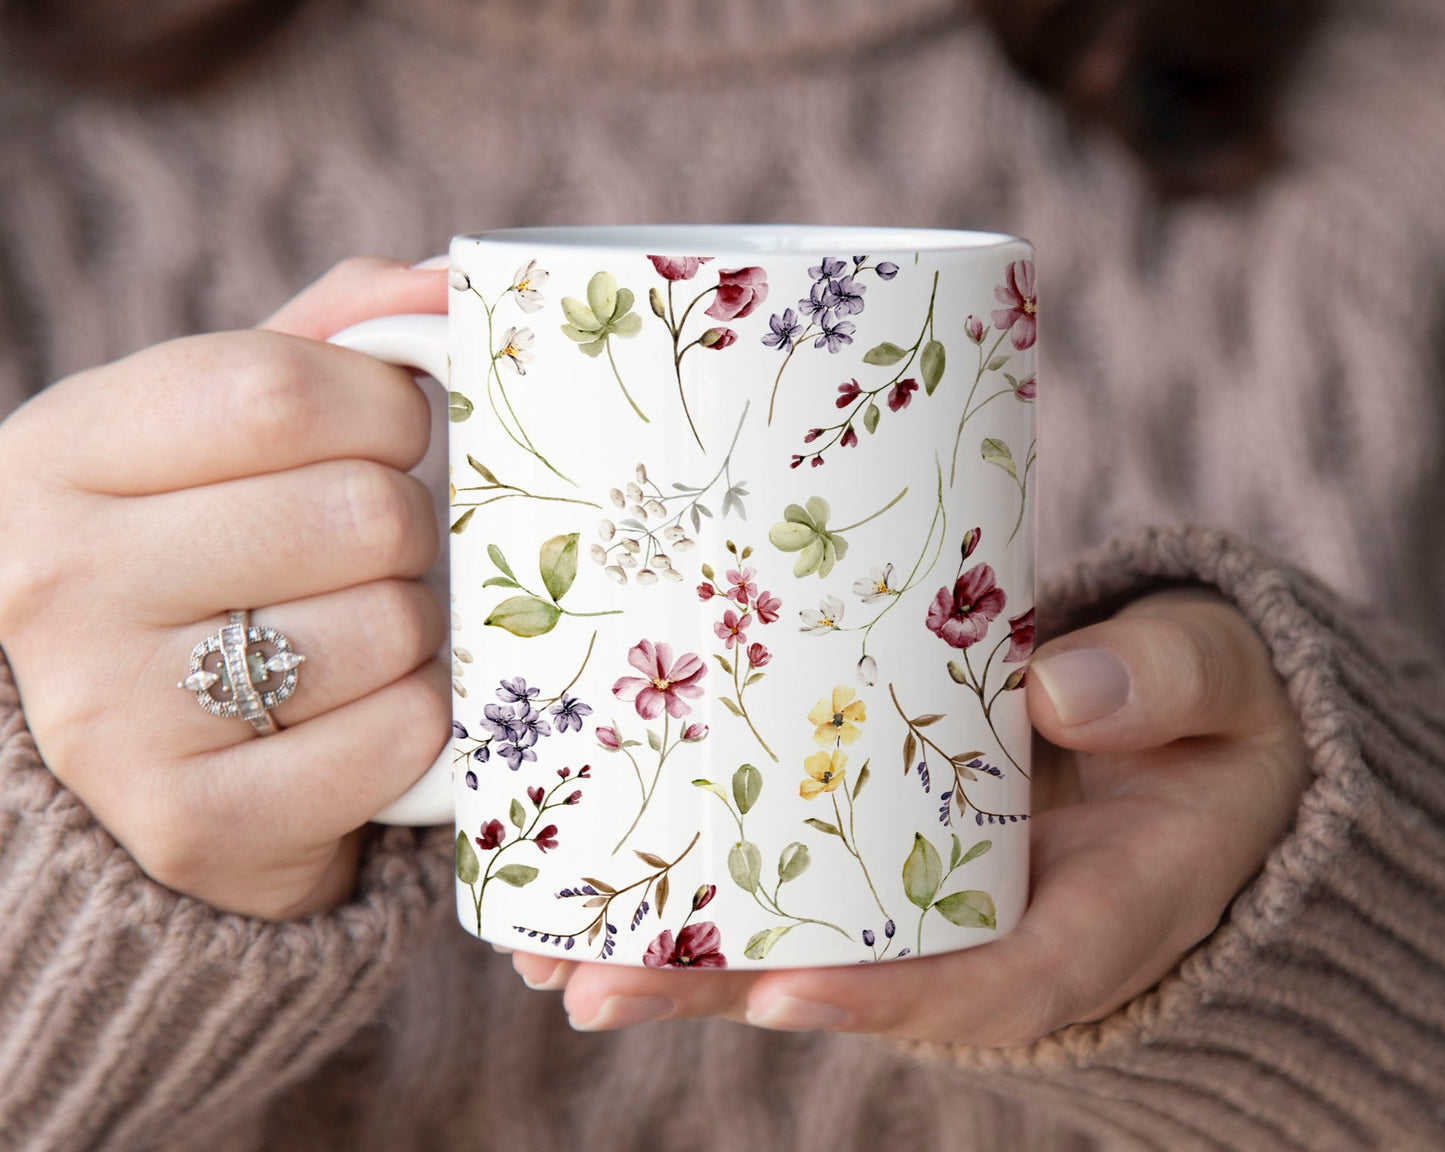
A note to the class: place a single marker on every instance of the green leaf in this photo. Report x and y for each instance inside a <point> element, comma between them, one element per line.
<point>517,875</point>
<point>469,868</point>
<point>819,510</point>
<point>761,943</point>
<point>594,348</point>
<point>715,789</point>
<point>654,740</point>
<point>997,362</point>
<point>956,672</point>
<point>459,525</point>
<point>975,852</point>
<point>922,873</point>
<point>863,774</point>
<point>884,354</point>
<point>753,679</point>
<point>524,616</point>
<point>823,826</point>
<point>518,815</point>
<point>745,864</point>
<point>730,705</point>
<point>602,296</point>
<point>499,582</point>
<point>790,537</point>
<point>871,416</point>
<point>793,861</point>
<point>579,316</point>
<point>997,452</point>
<point>971,909</point>
<point>628,326</point>
<point>933,364</point>
<point>956,855</point>
<point>557,560</point>
<point>797,514</point>
<point>483,470</point>
<point>747,787</point>
<point>624,304</point>
<point>723,662</point>
<point>458,407</point>
<point>499,560</point>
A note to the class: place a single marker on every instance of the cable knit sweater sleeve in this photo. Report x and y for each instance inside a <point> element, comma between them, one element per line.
<point>1312,1018</point>
<point>129,1013</point>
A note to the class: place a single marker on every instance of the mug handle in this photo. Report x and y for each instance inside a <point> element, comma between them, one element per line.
<point>420,342</point>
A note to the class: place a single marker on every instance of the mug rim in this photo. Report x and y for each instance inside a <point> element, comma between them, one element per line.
<point>752,239</point>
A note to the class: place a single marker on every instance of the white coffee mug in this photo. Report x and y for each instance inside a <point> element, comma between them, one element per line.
<point>741,563</point>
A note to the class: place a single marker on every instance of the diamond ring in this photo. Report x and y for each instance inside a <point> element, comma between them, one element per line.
<point>256,670</point>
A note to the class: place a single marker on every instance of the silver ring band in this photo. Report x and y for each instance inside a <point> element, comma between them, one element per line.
<point>245,672</point>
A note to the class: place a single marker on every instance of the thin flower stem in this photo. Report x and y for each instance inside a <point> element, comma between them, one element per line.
<point>1023,493</point>
<point>985,400</point>
<point>641,414</point>
<point>983,362</point>
<point>738,688</point>
<point>517,494</point>
<point>578,676</point>
<point>674,327</point>
<point>657,775</point>
<point>850,842</point>
<point>910,583</point>
<point>866,519</point>
<point>778,379</point>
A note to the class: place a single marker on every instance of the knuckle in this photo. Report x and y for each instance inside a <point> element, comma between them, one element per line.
<point>423,704</point>
<point>398,629</point>
<point>1200,665</point>
<point>274,393</point>
<point>374,516</point>
<point>170,845</point>
<point>29,580</point>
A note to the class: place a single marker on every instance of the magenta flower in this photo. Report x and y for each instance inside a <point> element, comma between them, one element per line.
<point>1021,637</point>
<point>739,291</point>
<point>607,737</point>
<point>697,946</point>
<point>1028,389</point>
<point>731,628</point>
<point>703,897</point>
<point>1021,304</point>
<point>574,797</point>
<point>493,833</point>
<point>705,591</point>
<point>718,338</point>
<point>694,733</point>
<point>678,267</point>
<point>962,617</point>
<point>847,393</point>
<point>743,589</point>
<point>547,838</point>
<point>901,393</point>
<point>758,655</point>
<point>663,683</point>
<point>850,437</point>
<point>767,606</point>
<point>973,328</point>
<point>536,795</point>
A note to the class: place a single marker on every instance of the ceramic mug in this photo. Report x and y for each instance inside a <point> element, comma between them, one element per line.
<point>741,562</point>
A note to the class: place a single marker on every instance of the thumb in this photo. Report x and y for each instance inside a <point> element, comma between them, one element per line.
<point>361,288</point>
<point>1169,666</point>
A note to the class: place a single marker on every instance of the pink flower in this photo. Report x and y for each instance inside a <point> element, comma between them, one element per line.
<point>705,591</point>
<point>901,393</point>
<point>547,838</point>
<point>537,795</point>
<point>1021,637</point>
<point>694,733</point>
<point>758,655</point>
<point>1028,389</point>
<point>739,291</point>
<point>607,737</point>
<point>718,338</point>
<point>796,461</point>
<point>743,589</point>
<point>663,683</point>
<point>973,328</point>
<point>962,618</point>
<point>970,542</point>
<point>678,267</point>
<point>697,946</point>
<point>1021,304</point>
<point>817,461</point>
<point>730,630</point>
<point>811,435</point>
<point>574,797</point>
<point>850,437</point>
<point>847,393</point>
<point>767,606</point>
<point>493,833</point>
<point>703,897</point>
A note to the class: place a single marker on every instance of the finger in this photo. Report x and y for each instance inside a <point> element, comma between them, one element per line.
<point>543,973</point>
<point>270,539</point>
<point>1105,922</point>
<point>1170,667</point>
<point>211,408</point>
<point>355,641</point>
<point>313,783</point>
<point>601,997</point>
<point>358,289</point>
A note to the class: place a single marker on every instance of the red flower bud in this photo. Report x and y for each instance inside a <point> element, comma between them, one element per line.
<point>970,541</point>
<point>703,897</point>
<point>718,338</point>
<point>813,434</point>
<point>607,737</point>
<point>817,461</point>
<point>706,591</point>
<point>850,437</point>
<point>536,795</point>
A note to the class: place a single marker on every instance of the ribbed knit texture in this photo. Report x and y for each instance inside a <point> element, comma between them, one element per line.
<point>1270,366</point>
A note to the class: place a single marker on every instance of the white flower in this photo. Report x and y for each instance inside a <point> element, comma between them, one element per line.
<point>868,671</point>
<point>656,508</point>
<point>599,553</point>
<point>525,284</point>
<point>617,498</point>
<point>672,574</point>
<point>458,280</point>
<point>607,530</point>
<point>830,611</point>
<point>516,347</point>
<point>634,493</point>
<point>874,586</point>
<point>642,473</point>
<point>674,534</point>
<point>646,577</point>
<point>616,574</point>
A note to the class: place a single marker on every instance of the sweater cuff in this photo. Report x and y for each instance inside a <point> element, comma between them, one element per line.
<point>1311,1018</point>
<point>128,1010</point>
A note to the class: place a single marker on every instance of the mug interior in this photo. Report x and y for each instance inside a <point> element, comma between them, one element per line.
<point>775,239</point>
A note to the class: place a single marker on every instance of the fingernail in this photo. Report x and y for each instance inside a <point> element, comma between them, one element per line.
<point>501,949</point>
<point>788,1014</point>
<point>556,979</point>
<point>1084,684</point>
<point>623,1012</point>
<point>433,264</point>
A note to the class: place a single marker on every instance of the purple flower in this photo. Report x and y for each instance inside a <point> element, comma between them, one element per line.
<point>530,724</point>
<point>886,270</point>
<point>483,754</point>
<point>501,723</point>
<point>868,937</point>
<point>835,337</point>
<point>785,329</point>
<point>471,780</point>
<point>569,712</point>
<point>514,754</point>
<point>827,269</point>
<point>459,731</point>
<point>816,306</point>
<point>845,296</point>
<point>514,690</point>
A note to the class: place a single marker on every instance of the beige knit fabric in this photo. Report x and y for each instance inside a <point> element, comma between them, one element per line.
<point>1270,366</point>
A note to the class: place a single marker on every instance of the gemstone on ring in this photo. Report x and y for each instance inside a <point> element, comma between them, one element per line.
<point>256,671</point>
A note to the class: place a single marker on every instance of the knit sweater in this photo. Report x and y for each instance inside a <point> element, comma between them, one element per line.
<point>1269,366</point>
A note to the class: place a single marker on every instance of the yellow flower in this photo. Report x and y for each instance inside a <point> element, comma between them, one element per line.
<point>825,772</point>
<point>838,720</point>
